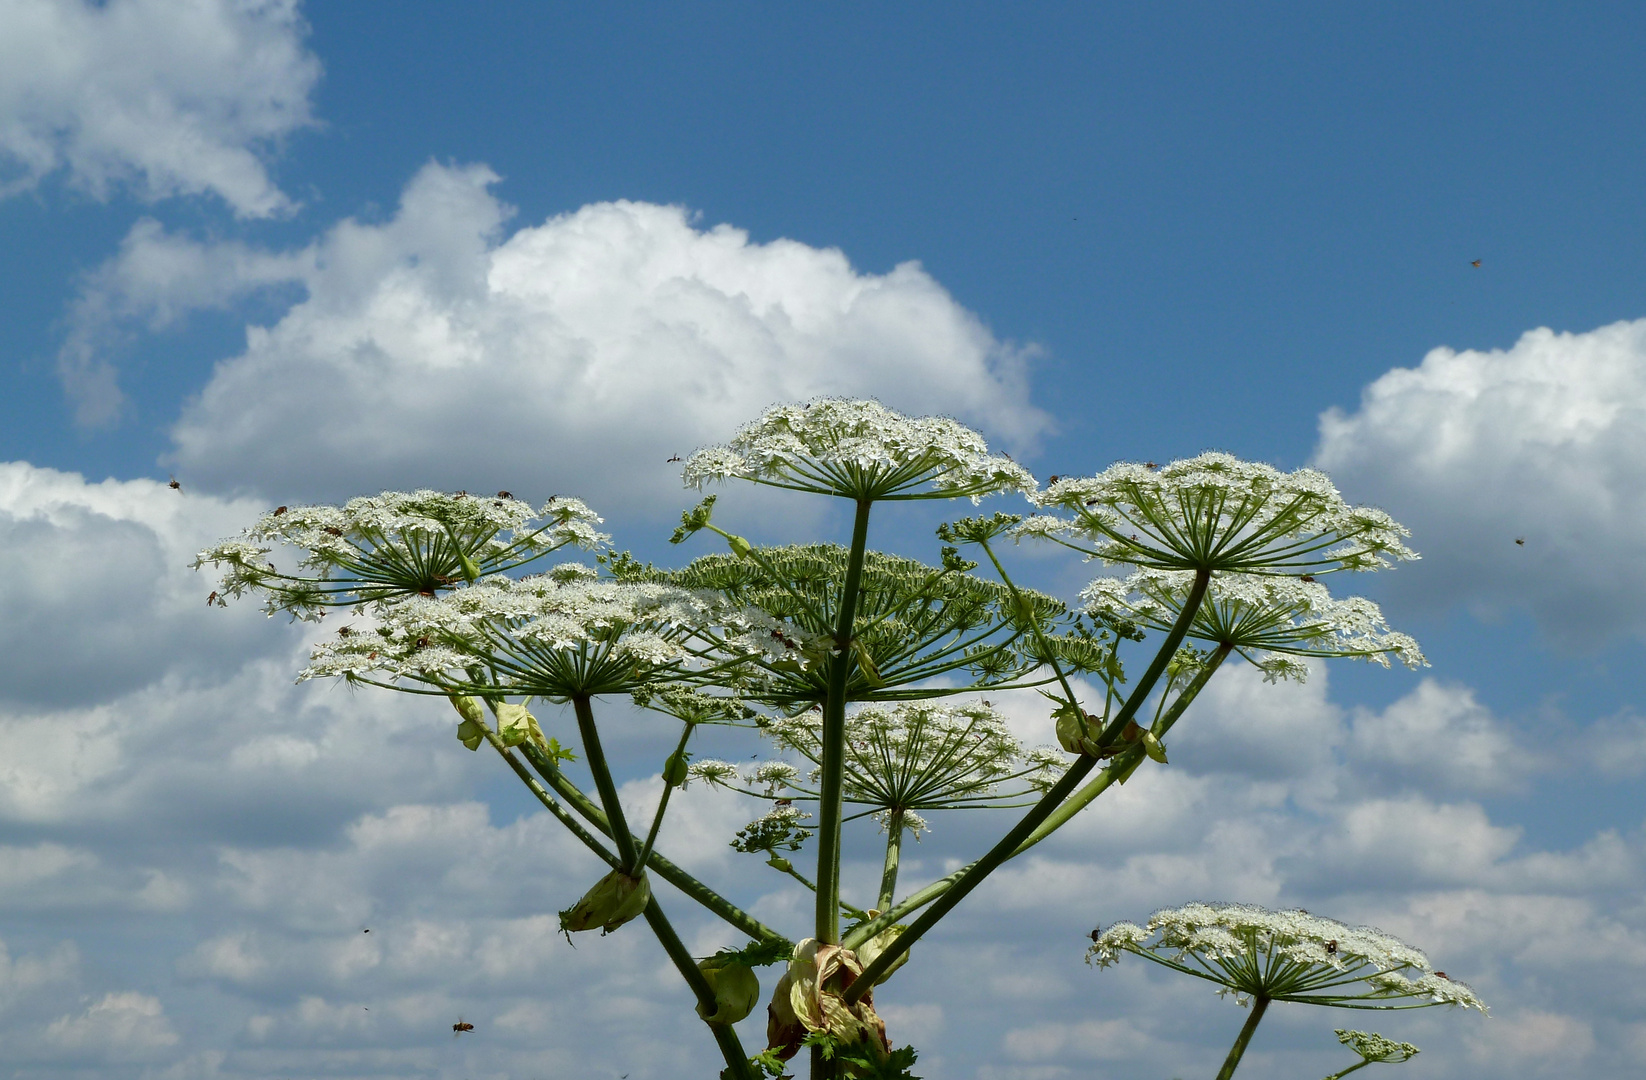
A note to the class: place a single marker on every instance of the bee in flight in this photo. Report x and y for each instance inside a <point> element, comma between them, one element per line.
<point>460,1027</point>
<point>1520,541</point>
<point>1475,263</point>
<point>174,485</point>
<point>672,460</point>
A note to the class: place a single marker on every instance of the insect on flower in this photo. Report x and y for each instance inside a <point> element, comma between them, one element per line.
<point>344,631</point>
<point>1307,579</point>
<point>505,494</point>
<point>279,510</point>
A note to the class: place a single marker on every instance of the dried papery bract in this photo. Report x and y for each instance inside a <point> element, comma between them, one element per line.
<point>859,450</point>
<point>1274,622</point>
<point>1261,956</point>
<point>1218,513</point>
<point>394,545</point>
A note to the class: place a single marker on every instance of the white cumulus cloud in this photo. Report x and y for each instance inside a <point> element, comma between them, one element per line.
<point>574,356</point>
<point>1543,442</point>
<point>169,97</point>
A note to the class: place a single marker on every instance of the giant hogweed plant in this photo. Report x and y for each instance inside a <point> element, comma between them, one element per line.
<point>863,669</point>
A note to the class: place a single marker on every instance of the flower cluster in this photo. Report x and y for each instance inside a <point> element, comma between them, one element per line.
<point>859,450</point>
<point>394,545</point>
<point>915,623</point>
<point>550,635</point>
<point>1269,620</point>
<point>1217,512</point>
<point>1285,956</point>
<point>917,756</point>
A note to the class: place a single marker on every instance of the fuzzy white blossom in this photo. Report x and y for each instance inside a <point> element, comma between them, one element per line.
<point>1217,512</point>
<point>1272,621</point>
<point>859,449</point>
<point>1253,952</point>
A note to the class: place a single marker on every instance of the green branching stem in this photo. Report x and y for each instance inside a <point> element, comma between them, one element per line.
<point>832,783</point>
<point>1124,763</point>
<point>560,812</point>
<point>663,800</point>
<point>1034,623</point>
<point>665,869</point>
<point>894,850</point>
<point>1361,1064</point>
<point>1239,1048</point>
<point>1117,769</point>
<point>730,1046</point>
<point>971,877</point>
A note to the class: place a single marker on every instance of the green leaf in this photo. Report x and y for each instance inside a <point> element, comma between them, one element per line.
<point>1153,747</point>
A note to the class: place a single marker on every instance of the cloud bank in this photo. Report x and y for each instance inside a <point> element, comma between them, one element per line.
<point>166,97</point>
<point>1521,472</point>
<point>575,356</point>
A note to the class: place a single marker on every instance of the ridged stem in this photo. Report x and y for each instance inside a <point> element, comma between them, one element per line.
<point>1238,1050</point>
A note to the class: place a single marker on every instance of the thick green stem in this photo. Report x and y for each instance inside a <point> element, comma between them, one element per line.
<point>1239,1048</point>
<point>604,785</point>
<point>894,850</point>
<point>730,1047</point>
<point>833,739</point>
<point>668,871</point>
<point>973,876</point>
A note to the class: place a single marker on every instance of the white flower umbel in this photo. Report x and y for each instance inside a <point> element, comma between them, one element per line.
<point>395,545</point>
<point>1267,619</point>
<point>1216,512</point>
<point>917,756</point>
<point>1262,956</point>
<point>1256,953</point>
<point>555,636</point>
<point>859,450</point>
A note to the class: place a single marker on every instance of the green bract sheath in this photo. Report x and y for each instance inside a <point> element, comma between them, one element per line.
<point>614,900</point>
<point>736,990</point>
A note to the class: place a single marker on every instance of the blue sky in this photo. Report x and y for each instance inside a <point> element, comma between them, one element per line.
<point>290,252</point>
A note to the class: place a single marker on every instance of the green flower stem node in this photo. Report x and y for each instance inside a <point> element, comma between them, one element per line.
<point>615,899</point>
